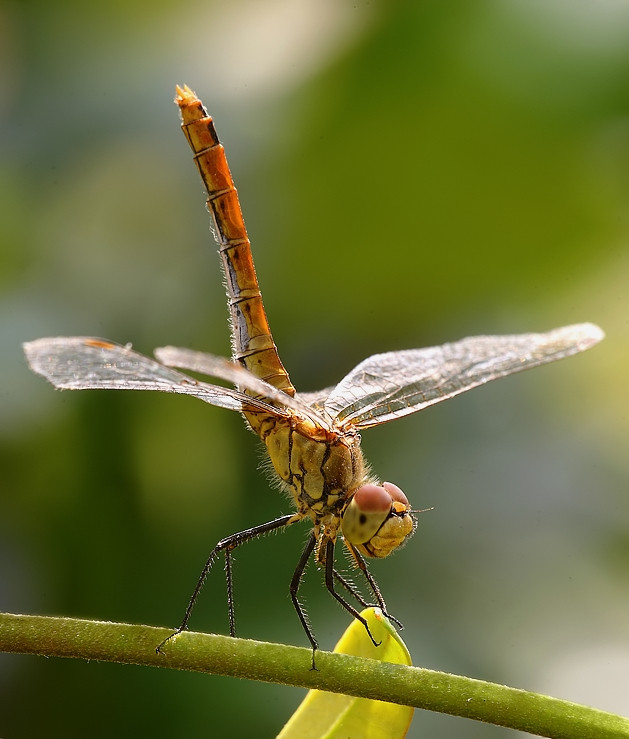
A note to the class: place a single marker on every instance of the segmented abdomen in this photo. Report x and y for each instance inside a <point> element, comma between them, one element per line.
<point>252,343</point>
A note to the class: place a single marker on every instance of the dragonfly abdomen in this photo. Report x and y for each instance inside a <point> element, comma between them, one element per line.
<point>253,345</point>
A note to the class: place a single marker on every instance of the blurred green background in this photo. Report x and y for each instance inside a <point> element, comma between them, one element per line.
<point>411,173</point>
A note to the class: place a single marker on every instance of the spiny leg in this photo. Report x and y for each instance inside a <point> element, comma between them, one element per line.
<point>294,588</point>
<point>362,566</point>
<point>226,545</point>
<point>351,589</point>
<point>230,592</point>
<point>329,584</point>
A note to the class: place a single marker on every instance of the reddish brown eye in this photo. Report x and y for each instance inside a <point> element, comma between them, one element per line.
<point>378,519</point>
<point>395,492</point>
<point>368,509</point>
<point>373,498</point>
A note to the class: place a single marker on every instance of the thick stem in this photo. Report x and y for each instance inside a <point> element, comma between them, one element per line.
<point>338,673</point>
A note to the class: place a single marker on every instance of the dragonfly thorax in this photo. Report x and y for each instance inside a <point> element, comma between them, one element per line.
<point>328,479</point>
<point>322,470</point>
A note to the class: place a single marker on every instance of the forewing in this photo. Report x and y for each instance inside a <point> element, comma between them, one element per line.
<point>315,399</point>
<point>84,363</point>
<point>209,364</point>
<point>392,385</point>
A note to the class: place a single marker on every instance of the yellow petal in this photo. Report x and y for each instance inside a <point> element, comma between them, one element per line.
<point>332,715</point>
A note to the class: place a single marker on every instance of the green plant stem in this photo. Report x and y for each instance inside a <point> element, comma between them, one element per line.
<point>338,673</point>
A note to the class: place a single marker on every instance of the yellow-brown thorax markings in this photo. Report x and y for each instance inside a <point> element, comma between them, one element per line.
<point>321,467</point>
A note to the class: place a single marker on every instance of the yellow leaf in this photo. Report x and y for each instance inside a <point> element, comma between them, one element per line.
<point>332,715</point>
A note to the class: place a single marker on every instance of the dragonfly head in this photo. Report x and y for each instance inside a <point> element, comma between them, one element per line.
<point>378,519</point>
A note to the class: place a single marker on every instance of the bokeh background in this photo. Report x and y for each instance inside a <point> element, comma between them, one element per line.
<point>411,173</point>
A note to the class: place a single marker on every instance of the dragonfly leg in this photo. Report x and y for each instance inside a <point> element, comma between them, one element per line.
<point>362,566</point>
<point>329,584</point>
<point>226,546</point>
<point>294,588</point>
<point>230,592</point>
<point>351,589</point>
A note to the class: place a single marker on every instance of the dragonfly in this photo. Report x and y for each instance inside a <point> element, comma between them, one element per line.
<point>312,439</point>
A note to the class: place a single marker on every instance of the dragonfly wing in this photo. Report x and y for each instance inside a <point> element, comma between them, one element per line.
<point>392,385</point>
<point>209,364</point>
<point>315,399</point>
<point>84,363</point>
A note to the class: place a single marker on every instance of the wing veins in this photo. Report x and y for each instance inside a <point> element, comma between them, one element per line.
<point>388,386</point>
<point>83,363</point>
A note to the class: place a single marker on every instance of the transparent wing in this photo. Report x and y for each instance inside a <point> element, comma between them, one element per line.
<point>213,366</point>
<point>392,385</point>
<point>84,363</point>
<point>315,399</point>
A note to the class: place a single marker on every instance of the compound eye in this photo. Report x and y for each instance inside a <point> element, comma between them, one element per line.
<point>378,520</point>
<point>396,493</point>
<point>367,511</point>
